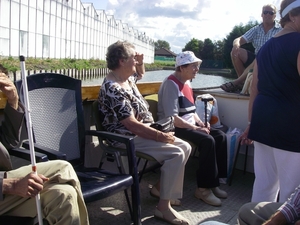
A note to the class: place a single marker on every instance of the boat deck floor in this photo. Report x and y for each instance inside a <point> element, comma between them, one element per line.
<point>114,210</point>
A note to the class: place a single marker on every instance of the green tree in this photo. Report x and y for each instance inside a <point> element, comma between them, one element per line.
<point>201,45</point>
<point>219,50</point>
<point>194,45</point>
<point>162,44</point>
<point>207,52</point>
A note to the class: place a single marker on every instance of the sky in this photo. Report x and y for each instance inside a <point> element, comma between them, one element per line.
<point>178,21</point>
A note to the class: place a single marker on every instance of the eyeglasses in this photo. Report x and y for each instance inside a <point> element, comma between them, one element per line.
<point>195,66</point>
<point>270,12</point>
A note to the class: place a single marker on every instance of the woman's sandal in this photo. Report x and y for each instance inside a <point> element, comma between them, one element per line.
<point>230,87</point>
<point>171,216</point>
<point>155,193</point>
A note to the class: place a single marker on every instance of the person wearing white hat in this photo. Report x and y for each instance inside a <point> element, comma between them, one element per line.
<point>175,98</point>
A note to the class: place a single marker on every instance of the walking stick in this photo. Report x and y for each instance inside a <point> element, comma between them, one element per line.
<point>30,134</point>
<point>205,100</point>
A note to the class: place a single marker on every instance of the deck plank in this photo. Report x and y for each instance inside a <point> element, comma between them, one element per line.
<point>113,210</point>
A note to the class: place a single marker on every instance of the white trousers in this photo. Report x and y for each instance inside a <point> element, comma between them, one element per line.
<point>275,170</point>
<point>173,158</point>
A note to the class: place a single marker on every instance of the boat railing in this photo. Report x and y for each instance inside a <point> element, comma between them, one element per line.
<point>81,74</point>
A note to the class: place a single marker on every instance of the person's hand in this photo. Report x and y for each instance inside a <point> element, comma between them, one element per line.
<point>139,58</point>
<point>202,129</point>
<point>244,138</point>
<point>277,219</point>
<point>202,124</point>
<point>9,89</point>
<point>166,137</point>
<point>28,186</point>
<point>208,125</point>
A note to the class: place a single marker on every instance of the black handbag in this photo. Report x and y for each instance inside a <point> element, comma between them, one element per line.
<point>164,125</point>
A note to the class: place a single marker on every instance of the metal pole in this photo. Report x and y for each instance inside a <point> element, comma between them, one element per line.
<point>30,134</point>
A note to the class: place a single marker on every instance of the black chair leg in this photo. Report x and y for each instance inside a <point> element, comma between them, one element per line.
<point>234,164</point>
<point>102,160</point>
<point>101,164</point>
<point>143,170</point>
<point>129,205</point>
<point>118,158</point>
<point>235,161</point>
<point>245,162</point>
<point>138,162</point>
<point>195,152</point>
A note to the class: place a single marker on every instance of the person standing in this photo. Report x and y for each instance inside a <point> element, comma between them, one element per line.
<point>241,58</point>
<point>274,108</point>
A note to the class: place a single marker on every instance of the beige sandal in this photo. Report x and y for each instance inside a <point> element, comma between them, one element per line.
<point>155,193</point>
<point>171,216</point>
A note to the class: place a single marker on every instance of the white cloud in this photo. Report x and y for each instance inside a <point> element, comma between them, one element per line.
<point>178,21</point>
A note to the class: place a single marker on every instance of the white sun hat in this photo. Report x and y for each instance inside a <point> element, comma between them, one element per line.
<point>186,57</point>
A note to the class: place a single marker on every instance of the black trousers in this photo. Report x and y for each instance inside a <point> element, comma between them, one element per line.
<point>212,158</point>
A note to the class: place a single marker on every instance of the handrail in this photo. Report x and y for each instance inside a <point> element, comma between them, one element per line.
<point>90,93</point>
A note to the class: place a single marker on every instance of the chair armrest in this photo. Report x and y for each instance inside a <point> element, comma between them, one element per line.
<point>132,164</point>
<point>109,135</point>
<point>25,154</point>
<point>52,154</point>
<point>125,139</point>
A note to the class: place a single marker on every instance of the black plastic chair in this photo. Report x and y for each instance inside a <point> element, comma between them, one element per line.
<point>112,153</point>
<point>20,153</point>
<point>58,124</point>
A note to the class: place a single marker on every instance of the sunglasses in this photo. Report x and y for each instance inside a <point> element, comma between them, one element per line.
<point>270,12</point>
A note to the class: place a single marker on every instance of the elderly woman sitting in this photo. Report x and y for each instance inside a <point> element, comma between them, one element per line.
<point>125,111</point>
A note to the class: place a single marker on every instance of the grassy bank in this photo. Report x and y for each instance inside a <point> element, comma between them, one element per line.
<point>13,64</point>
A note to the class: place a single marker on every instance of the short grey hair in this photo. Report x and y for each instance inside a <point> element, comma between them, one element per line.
<point>116,51</point>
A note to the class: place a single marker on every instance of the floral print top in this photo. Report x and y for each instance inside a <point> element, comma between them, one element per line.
<point>117,103</point>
